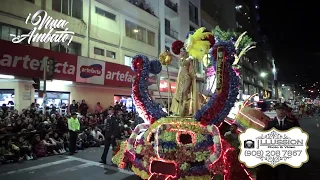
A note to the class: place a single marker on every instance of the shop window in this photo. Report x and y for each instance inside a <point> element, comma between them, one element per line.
<point>193,13</point>
<point>111,54</point>
<point>71,8</point>
<point>139,33</point>
<point>98,51</point>
<point>7,98</point>
<point>73,48</point>
<point>56,101</point>
<point>8,32</point>
<point>125,100</point>
<point>106,14</point>
<point>127,60</point>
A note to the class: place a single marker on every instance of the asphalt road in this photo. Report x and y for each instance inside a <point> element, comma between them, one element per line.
<point>310,170</point>
<point>84,165</point>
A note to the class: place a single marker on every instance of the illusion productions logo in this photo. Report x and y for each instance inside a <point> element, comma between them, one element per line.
<point>91,71</point>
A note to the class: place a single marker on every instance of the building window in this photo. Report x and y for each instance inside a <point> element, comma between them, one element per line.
<point>150,38</point>
<point>139,33</point>
<point>9,32</point>
<point>71,8</point>
<point>192,28</point>
<point>111,54</point>
<point>106,14</point>
<point>73,48</point>
<point>193,13</point>
<point>127,60</point>
<point>98,51</point>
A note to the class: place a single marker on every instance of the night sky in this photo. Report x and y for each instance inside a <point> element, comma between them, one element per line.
<point>294,37</point>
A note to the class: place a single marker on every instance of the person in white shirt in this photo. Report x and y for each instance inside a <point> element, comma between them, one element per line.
<point>97,135</point>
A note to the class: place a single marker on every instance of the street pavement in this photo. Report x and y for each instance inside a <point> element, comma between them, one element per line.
<point>310,170</point>
<point>84,165</point>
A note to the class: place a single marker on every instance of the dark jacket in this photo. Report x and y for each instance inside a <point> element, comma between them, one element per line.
<point>74,108</point>
<point>111,127</point>
<point>83,109</point>
<point>288,124</point>
<point>266,172</point>
<point>138,120</point>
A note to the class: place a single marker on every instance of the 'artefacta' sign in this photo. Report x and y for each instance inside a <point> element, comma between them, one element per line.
<point>58,32</point>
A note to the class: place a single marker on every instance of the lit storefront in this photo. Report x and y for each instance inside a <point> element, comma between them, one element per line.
<point>164,93</point>
<point>79,77</point>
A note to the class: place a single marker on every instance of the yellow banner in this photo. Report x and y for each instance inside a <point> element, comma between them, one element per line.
<point>219,69</point>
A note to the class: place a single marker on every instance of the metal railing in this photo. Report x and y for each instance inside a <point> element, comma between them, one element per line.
<point>172,33</point>
<point>171,5</point>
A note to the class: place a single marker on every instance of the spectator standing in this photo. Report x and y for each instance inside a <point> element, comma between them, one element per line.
<point>111,130</point>
<point>74,128</point>
<point>98,108</point>
<point>83,108</point>
<point>74,107</point>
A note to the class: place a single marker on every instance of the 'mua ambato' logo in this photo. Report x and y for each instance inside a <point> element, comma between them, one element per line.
<point>90,71</point>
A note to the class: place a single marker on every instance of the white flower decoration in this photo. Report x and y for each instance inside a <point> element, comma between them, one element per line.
<point>216,139</point>
<point>213,157</point>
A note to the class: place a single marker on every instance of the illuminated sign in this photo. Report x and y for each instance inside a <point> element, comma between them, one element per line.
<point>164,86</point>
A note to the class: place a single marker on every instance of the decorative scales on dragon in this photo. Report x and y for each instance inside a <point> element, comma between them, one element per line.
<point>188,145</point>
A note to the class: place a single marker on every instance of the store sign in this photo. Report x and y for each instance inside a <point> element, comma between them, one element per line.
<point>40,20</point>
<point>27,61</point>
<point>118,75</point>
<point>164,87</point>
<point>90,71</point>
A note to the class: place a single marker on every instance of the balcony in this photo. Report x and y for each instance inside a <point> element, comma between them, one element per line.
<point>171,9</point>
<point>172,33</point>
<point>142,6</point>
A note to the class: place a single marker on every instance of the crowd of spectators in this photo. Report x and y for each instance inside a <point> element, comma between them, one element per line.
<point>32,134</point>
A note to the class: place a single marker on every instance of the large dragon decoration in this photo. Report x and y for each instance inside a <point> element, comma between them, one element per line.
<point>181,148</point>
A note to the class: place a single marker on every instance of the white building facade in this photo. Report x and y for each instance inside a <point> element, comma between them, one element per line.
<point>107,30</point>
<point>177,18</point>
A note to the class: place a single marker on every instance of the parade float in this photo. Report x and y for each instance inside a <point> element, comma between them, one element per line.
<point>188,145</point>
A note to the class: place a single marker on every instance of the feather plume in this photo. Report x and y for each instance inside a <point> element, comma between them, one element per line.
<point>197,44</point>
<point>237,43</point>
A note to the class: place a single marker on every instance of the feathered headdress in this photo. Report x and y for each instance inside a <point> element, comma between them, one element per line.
<point>198,44</point>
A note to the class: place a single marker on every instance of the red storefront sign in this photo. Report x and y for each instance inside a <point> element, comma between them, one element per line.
<point>164,87</point>
<point>26,61</point>
<point>118,75</point>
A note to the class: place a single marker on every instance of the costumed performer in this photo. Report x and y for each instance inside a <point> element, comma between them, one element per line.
<point>184,102</point>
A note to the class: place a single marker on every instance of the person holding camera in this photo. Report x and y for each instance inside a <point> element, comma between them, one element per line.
<point>74,128</point>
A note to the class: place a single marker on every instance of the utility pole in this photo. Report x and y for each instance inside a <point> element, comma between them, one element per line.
<point>45,63</point>
<point>275,80</point>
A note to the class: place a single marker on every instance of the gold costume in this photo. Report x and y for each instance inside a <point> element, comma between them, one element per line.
<point>186,83</point>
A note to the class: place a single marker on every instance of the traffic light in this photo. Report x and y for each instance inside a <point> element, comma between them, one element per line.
<point>36,84</point>
<point>51,68</point>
